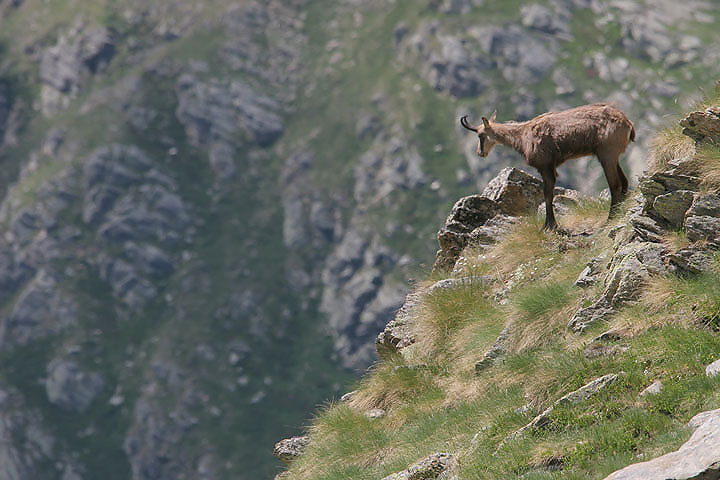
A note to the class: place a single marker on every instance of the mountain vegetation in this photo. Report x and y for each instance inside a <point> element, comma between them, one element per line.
<point>210,209</point>
<point>543,355</point>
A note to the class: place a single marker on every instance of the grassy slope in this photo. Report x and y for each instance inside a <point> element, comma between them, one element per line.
<point>435,401</point>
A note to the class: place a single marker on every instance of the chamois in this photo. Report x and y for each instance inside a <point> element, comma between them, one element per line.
<point>550,139</point>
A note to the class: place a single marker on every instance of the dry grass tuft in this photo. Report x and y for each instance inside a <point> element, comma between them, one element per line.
<point>675,241</point>
<point>391,384</point>
<point>525,242</point>
<point>669,144</point>
<point>708,162</point>
<point>543,330</point>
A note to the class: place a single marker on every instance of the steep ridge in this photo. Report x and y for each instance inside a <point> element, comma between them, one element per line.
<point>538,355</point>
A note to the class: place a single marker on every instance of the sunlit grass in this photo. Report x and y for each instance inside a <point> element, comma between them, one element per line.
<point>708,161</point>
<point>669,144</point>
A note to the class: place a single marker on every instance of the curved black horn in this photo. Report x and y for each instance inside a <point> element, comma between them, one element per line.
<point>464,123</point>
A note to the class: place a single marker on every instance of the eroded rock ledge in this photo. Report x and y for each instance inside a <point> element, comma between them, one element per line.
<point>697,459</point>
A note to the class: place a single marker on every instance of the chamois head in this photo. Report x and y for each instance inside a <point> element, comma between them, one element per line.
<point>485,134</point>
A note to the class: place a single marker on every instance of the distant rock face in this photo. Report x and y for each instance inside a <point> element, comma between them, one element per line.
<point>309,220</point>
<point>448,65</point>
<point>70,387</point>
<point>696,459</point>
<point>521,57</point>
<point>161,421</point>
<point>81,53</point>
<point>41,310</point>
<point>133,206</point>
<point>356,298</point>
<point>4,111</point>
<point>24,442</point>
<point>213,112</point>
<point>543,19</point>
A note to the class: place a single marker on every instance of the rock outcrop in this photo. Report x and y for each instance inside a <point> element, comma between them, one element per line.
<point>696,459</point>
<point>579,395</point>
<point>703,125</point>
<point>512,192</point>
<point>70,387</point>
<point>289,449</point>
<point>24,444</point>
<point>429,468</point>
<point>64,67</point>
<point>671,199</point>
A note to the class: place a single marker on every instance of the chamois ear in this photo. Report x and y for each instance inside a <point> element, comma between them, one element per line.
<point>486,122</point>
<point>492,117</point>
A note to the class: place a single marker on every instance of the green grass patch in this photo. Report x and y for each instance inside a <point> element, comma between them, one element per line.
<point>539,300</point>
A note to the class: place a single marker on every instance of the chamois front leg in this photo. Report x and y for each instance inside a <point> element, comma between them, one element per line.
<point>548,176</point>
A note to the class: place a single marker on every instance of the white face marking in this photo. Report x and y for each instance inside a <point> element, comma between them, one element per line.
<point>485,144</point>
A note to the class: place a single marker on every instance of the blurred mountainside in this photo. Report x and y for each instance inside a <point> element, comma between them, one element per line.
<point>210,209</point>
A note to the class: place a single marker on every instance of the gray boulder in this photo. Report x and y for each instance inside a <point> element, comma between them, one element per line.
<point>398,332</point>
<point>630,267</point>
<point>703,227</point>
<point>496,351</point>
<point>562,204</point>
<point>653,389</point>
<point>693,259</point>
<point>702,220</point>
<point>577,396</point>
<point>493,230</point>
<point>428,468</point>
<point>512,192</point>
<point>590,275</point>
<point>703,125</point>
<point>70,387</point>
<point>289,449</point>
<point>515,191</point>
<point>673,205</point>
<point>696,459</point>
<point>713,369</point>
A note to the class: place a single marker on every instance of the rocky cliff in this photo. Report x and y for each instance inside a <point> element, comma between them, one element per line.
<point>210,209</point>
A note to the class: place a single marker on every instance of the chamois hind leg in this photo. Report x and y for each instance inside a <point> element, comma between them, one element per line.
<point>611,167</point>
<point>623,179</point>
<point>548,176</point>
